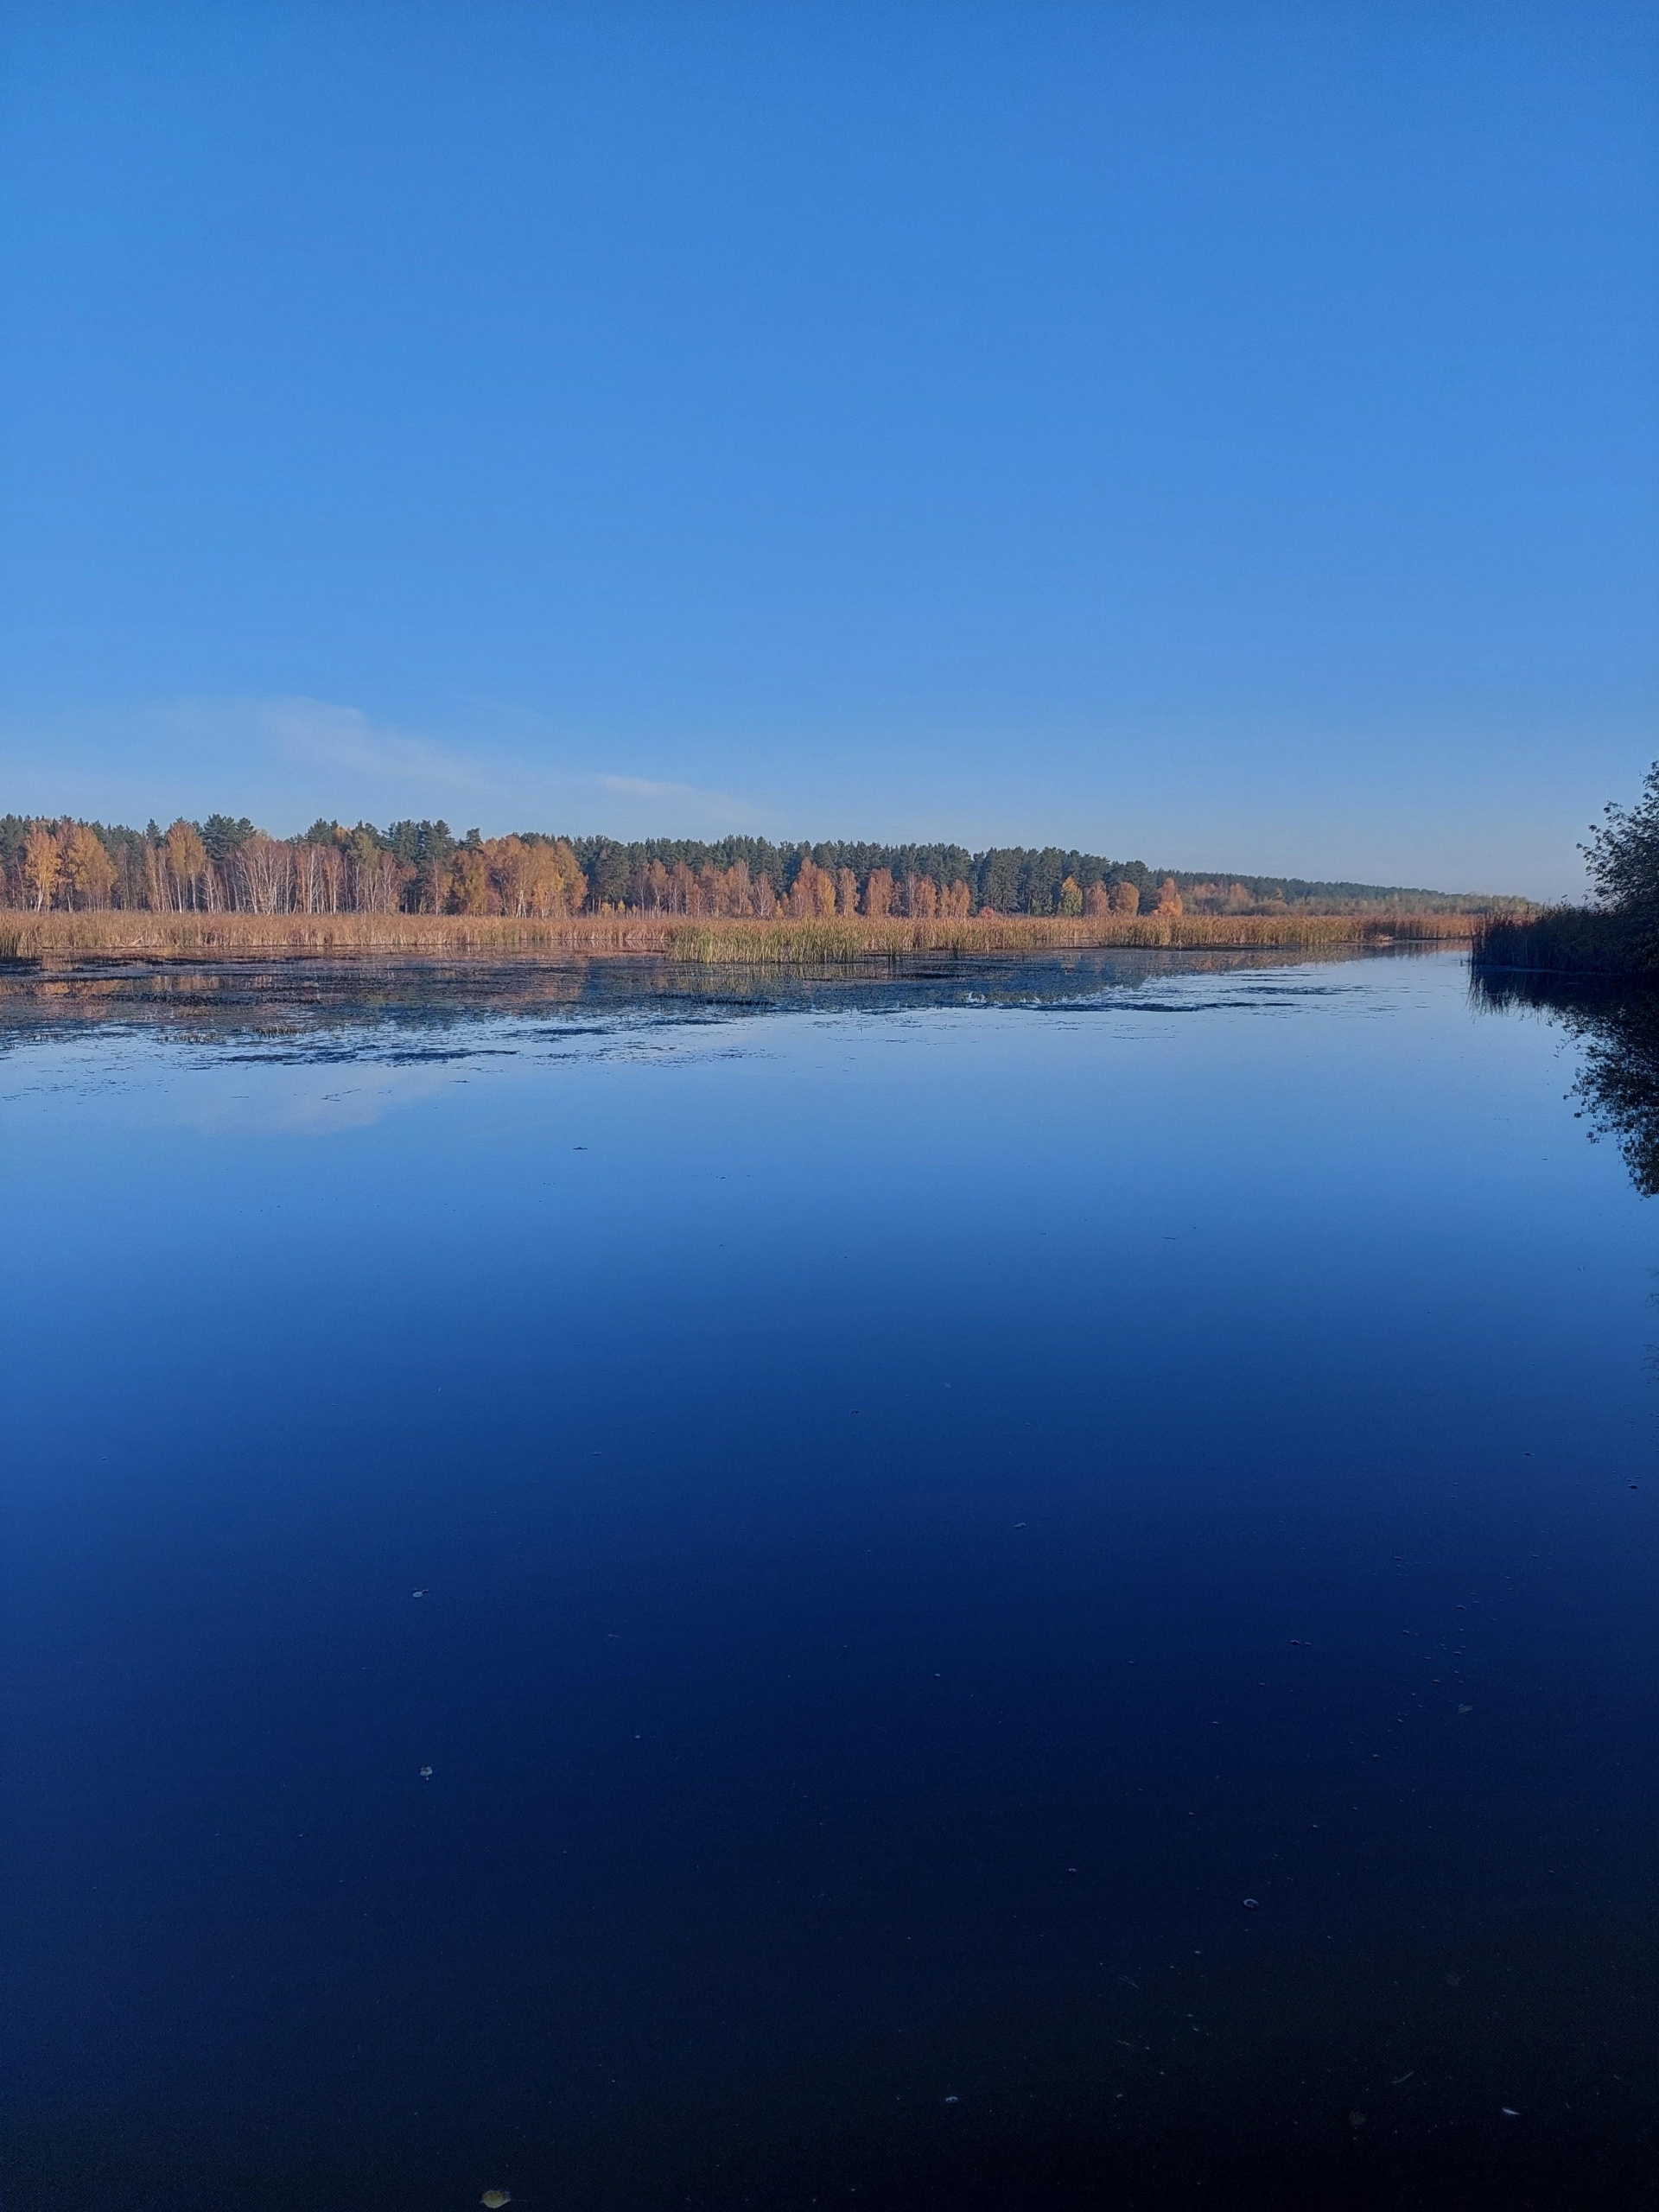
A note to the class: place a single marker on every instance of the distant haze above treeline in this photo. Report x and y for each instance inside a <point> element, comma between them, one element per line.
<point>227,865</point>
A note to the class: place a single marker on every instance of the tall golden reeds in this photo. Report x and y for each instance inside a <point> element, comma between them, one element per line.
<point>833,942</point>
<point>1565,941</point>
<point>71,938</point>
<point>59,937</point>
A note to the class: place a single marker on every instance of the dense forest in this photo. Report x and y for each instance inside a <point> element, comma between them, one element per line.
<point>227,866</point>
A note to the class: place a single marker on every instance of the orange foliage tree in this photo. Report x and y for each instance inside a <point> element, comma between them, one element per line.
<point>40,866</point>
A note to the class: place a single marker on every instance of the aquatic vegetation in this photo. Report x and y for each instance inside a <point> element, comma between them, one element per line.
<point>60,939</point>
<point>782,943</point>
<point>1560,941</point>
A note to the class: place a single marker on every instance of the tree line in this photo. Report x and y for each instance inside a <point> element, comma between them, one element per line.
<point>225,864</point>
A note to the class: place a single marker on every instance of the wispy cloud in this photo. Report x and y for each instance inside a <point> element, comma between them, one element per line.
<point>282,759</point>
<point>319,731</point>
<point>285,759</point>
<point>687,799</point>
<point>645,787</point>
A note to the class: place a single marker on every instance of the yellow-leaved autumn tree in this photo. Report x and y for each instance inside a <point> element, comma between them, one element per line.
<point>40,866</point>
<point>812,894</point>
<point>185,859</point>
<point>86,872</point>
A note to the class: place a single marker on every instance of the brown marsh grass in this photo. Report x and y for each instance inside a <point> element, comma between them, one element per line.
<point>61,939</point>
<point>828,943</point>
<point>1565,941</point>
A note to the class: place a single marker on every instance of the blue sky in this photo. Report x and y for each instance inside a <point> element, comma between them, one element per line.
<point>1226,435</point>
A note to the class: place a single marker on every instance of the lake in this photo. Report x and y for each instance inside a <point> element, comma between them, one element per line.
<point>1027,1585</point>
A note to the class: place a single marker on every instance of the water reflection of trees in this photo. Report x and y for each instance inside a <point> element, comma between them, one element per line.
<point>1617,1027</point>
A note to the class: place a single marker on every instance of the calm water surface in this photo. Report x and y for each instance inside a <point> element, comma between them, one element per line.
<point>1029,1588</point>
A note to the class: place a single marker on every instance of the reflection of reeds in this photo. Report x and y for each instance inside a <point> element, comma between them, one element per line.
<point>59,938</point>
<point>1563,941</point>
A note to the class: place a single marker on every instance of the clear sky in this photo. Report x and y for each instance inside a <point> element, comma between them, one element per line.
<point>1224,434</point>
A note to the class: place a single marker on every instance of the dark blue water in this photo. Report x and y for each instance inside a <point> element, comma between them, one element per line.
<point>1038,1590</point>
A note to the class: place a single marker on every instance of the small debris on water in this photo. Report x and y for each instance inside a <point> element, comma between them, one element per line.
<point>426,1773</point>
<point>1508,2112</point>
<point>1465,1708</point>
<point>494,2197</point>
<point>1252,1905</point>
<point>953,2100</point>
<point>417,1594</point>
<point>1400,2080</point>
<point>1020,1524</point>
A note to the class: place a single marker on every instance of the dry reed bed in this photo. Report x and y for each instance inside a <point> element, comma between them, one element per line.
<point>784,944</point>
<point>68,939</point>
<point>1568,941</point>
<point>55,939</point>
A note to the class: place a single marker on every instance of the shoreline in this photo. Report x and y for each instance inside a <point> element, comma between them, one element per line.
<point>49,942</point>
<point>1570,943</point>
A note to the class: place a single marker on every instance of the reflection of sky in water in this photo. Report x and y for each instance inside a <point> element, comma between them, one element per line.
<point>926,1506</point>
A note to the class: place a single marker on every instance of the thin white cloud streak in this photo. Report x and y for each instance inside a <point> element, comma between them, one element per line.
<point>287,760</point>
<point>279,757</point>
<point>708,807</point>
<point>345,738</point>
